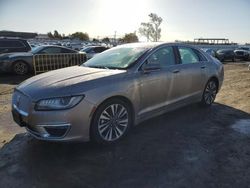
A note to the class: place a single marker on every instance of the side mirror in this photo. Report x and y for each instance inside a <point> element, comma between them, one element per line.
<point>147,68</point>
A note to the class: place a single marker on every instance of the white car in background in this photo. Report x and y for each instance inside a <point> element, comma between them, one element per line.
<point>76,45</point>
<point>91,51</point>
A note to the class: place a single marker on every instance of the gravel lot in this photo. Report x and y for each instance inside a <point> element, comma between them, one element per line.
<point>189,147</point>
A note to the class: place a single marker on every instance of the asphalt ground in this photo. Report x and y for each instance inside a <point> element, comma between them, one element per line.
<point>188,147</point>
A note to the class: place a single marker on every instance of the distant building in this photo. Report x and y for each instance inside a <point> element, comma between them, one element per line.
<point>25,35</point>
<point>213,41</point>
<point>42,36</point>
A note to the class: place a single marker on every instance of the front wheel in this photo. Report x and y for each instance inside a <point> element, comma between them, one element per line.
<point>209,93</point>
<point>20,68</point>
<point>111,122</point>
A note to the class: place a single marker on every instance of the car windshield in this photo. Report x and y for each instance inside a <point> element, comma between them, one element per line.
<point>36,49</point>
<point>116,58</point>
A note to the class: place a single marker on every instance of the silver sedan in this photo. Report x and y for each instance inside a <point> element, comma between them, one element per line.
<point>121,87</point>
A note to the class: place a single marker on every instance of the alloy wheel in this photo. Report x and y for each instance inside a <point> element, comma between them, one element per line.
<point>113,122</point>
<point>210,92</point>
<point>20,68</point>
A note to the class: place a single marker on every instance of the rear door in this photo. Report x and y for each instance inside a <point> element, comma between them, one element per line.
<point>189,75</point>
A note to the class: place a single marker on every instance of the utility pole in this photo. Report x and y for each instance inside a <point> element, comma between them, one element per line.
<point>115,38</point>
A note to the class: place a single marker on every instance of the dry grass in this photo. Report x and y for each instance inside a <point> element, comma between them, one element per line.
<point>235,91</point>
<point>5,97</point>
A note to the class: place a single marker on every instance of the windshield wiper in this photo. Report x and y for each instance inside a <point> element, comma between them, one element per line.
<point>98,67</point>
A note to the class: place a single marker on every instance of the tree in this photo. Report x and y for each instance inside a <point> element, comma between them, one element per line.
<point>130,37</point>
<point>151,30</point>
<point>50,35</point>
<point>106,40</point>
<point>80,35</point>
<point>57,35</point>
<point>95,40</point>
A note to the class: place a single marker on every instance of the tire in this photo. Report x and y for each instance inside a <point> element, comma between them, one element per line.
<point>111,122</point>
<point>209,93</point>
<point>20,68</point>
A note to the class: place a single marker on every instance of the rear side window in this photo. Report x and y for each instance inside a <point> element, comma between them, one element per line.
<point>188,56</point>
<point>67,51</point>
<point>200,55</point>
<point>11,44</point>
<point>51,51</point>
<point>100,49</point>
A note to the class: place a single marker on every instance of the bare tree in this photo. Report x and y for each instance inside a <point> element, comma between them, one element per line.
<point>151,30</point>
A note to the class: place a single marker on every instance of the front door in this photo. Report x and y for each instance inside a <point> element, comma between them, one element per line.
<point>155,80</point>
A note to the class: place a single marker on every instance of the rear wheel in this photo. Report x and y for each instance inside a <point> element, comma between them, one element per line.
<point>20,68</point>
<point>111,122</point>
<point>209,93</point>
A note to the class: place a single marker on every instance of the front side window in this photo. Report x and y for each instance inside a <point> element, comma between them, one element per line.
<point>163,57</point>
<point>188,55</point>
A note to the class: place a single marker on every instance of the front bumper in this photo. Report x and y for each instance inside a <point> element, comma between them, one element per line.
<point>5,66</point>
<point>62,125</point>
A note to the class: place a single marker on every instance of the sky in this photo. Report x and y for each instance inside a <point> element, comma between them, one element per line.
<point>182,19</point>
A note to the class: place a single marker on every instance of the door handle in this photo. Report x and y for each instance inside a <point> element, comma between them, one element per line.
<point>176,71</point>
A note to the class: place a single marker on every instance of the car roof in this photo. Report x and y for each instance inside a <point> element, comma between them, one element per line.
<point>12,38</point>
<point>157,44</point>
<point>57,46</point>
<point>93,46</point>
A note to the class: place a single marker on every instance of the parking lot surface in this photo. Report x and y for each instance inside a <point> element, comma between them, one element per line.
<point>189,147</point>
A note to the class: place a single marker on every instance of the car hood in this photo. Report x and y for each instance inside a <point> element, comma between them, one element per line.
<point>68,81</point>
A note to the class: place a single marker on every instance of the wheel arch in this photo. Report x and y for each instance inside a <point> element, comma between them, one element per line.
<point>120,97</point>
<point>21,60</point>
<point>216,80</point>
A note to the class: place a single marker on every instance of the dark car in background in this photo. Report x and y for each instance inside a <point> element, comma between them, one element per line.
<point>209,51</point>
<point>241,54</point>
<point>9,45</point>
<point>91,51</point>
<point>22,63</point>
<point>225,54</point>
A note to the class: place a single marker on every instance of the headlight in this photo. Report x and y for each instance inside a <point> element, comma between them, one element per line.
<point>60,103</point>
